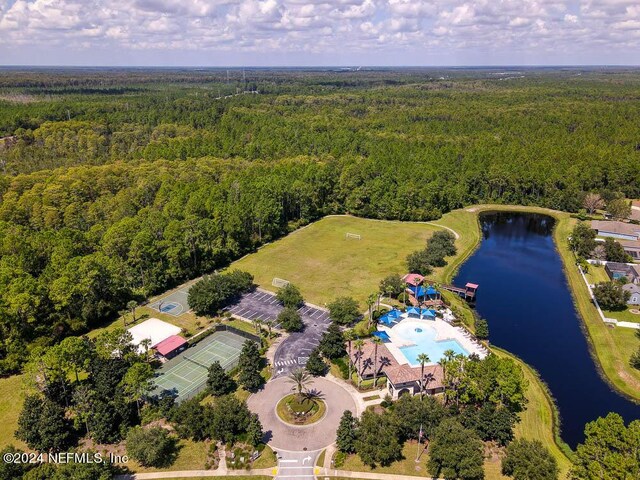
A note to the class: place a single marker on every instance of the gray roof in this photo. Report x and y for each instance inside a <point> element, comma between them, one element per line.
<point>631,287</point>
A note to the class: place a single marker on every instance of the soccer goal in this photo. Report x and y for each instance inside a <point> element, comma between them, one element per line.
<point>354,236</point>
<point>279,282</point>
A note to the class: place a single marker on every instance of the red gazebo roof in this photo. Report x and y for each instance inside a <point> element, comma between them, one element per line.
<point>471,285</point>
<point>413,278</point>
<point>170,344</point>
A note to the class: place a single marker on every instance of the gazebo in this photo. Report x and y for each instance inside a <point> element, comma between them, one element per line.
<point>413,279</point>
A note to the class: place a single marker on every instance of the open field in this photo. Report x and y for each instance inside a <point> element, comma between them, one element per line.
<point>11,397</point>
<point>325,265</point>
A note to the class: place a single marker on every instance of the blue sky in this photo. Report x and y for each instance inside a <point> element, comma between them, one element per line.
<point>319,32</point>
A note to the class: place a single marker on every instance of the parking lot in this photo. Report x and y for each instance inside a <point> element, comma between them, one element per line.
<point>294,351</point>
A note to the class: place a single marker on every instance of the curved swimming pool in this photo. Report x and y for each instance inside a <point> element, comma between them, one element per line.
<point>423,337</point>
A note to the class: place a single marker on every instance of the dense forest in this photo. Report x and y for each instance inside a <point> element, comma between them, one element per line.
<point>116,184</point>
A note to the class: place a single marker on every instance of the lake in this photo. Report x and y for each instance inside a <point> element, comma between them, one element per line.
<point>526,300</point>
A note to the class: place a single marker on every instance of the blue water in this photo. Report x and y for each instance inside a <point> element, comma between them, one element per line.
<point>524,296</point>
<point>425,341</point>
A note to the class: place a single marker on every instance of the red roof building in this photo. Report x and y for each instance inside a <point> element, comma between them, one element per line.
<point>171,346</point>
<point>413,279</point>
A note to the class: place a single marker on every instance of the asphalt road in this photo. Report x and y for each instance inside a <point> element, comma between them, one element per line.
<point>309,438</point>
<point>294,351</point>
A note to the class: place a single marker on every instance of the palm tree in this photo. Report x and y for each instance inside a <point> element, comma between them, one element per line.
<point>422,358</point>
<point>428,378</point>
<point>376,341</point>
<point>301,379</point>
<point>371,301</point>
<point>269,325</point>
<point>146,344</point>
<point>131,306</point>
<point>359,344</point>
<point>349,337</point>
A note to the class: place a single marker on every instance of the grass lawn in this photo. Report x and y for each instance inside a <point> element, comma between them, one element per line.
<point>289,406</point>
<point>191,456</point>
<point>243,477</point>
<point>492,470</point>
<point>406,466</point>
<point>623,315</point>
<point>596,275</point>
<point>11,398</point>
<point>325,265</point>
<point>320,461</point>
<point>267,459</point>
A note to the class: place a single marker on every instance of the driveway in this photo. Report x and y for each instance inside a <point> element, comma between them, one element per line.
<point>308,438</point>
<point>294,351</point>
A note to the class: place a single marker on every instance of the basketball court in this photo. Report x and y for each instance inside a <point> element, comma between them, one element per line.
<point>175,304</point>
<point>185,375</point>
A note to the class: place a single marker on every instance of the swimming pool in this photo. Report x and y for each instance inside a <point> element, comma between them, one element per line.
<point>424,337</point>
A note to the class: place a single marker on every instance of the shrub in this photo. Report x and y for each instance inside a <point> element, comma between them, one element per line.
<point>290,320</point>
<point>152,447</point>
<point>290,296</point>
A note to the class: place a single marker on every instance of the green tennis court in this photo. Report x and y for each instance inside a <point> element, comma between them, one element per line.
<point>185,375</point>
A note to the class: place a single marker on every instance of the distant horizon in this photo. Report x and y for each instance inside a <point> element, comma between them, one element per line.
<point>351,67</point>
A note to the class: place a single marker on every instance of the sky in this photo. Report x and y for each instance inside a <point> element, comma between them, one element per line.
<point>319,32</point>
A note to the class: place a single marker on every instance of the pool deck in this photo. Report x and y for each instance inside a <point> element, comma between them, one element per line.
<point>444,331</point>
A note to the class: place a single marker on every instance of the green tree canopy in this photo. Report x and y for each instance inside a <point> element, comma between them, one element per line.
<point>377,441</point>
<point>611,296</point>
<point>290,296</point>
<point>529,460</point>
<point>332,342</point>
<point>347,432</point>
<point>151,447</point>
<point>218,381</point>
<point>582,240</point>
<point>290,319</point>
<point>344,311</point>
<point>315,365</point>
<point>42,425</point>
<point>455,453</point>
<point>610,450</point>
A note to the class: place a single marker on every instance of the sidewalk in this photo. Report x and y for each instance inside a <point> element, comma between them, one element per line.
<point>268,472</point>
<point>370,475</point>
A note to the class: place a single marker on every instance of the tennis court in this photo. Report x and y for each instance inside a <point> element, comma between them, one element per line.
<point>185,375</point>
<point>176,303</point>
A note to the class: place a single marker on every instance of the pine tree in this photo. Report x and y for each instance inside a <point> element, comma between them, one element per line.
<point>347,432</point>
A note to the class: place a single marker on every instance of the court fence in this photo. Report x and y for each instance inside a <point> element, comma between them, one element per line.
<point>201,341</point>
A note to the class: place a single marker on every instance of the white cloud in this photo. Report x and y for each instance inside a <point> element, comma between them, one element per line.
<point>327,27</point>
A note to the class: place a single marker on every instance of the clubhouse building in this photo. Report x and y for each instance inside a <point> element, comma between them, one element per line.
<point>401,378</point>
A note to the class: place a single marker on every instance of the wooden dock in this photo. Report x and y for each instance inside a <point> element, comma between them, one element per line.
<point>468,292</point>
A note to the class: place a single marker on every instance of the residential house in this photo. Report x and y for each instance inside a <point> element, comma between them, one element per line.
<point>617,270</point>
<point>627,234</point>
<point>634,290</point>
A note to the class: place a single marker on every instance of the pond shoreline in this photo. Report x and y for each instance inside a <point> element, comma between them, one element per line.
<point>523,261</point>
